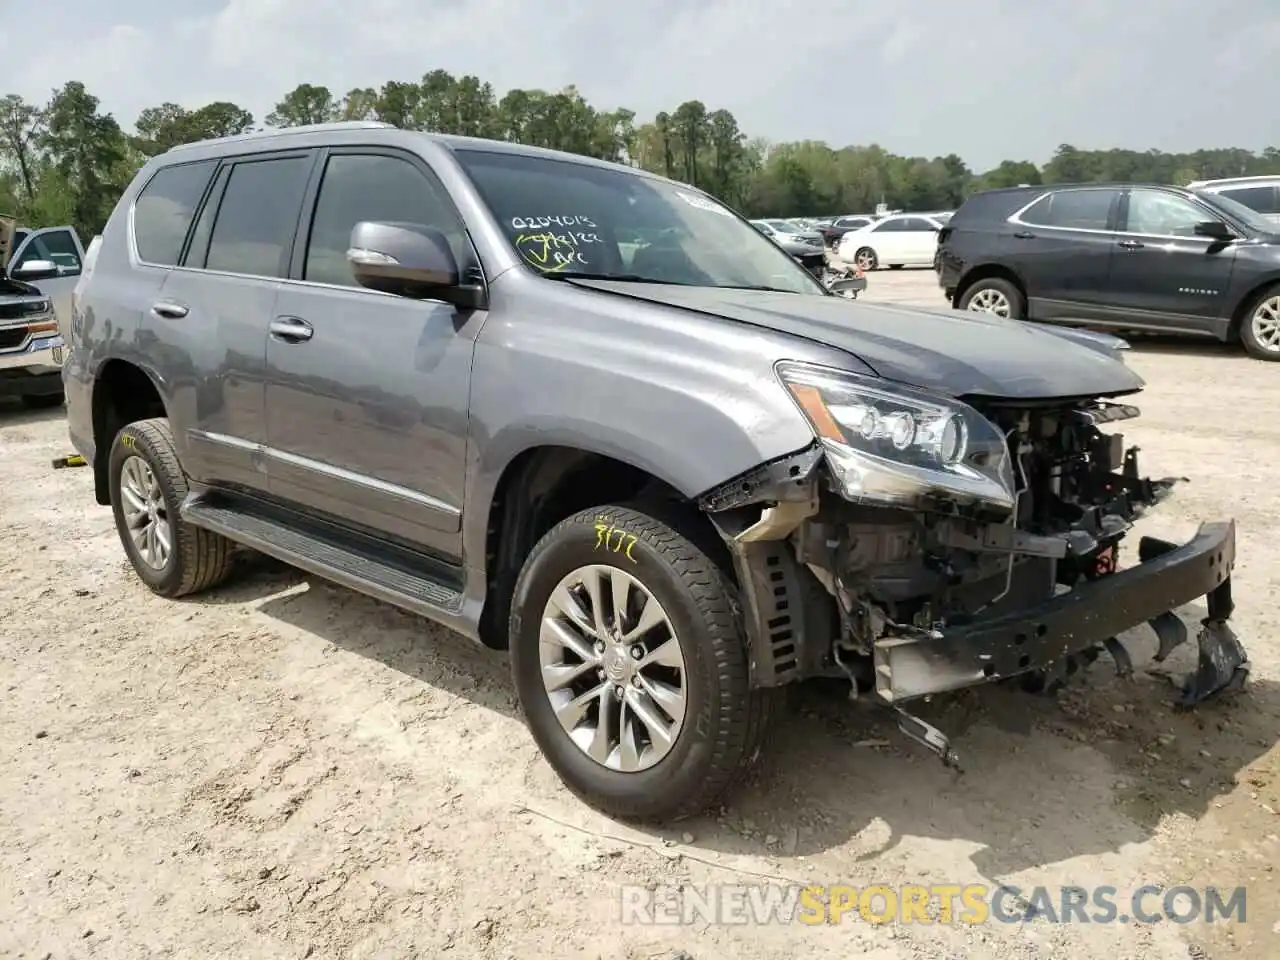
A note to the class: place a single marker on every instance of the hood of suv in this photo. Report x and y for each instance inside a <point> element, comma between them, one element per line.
<point>10,289</point>
<point>958,353</point>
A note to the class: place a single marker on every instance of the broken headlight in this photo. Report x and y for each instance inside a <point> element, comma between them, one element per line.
<point>893,445</point>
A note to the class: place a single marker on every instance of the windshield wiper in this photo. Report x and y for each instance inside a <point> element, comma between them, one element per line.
<point>624,277</point>
<point>754,286</point>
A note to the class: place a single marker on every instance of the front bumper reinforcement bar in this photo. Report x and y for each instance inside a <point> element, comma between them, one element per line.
<point>1091,615</point>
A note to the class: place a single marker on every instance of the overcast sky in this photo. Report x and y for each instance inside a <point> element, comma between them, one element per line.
<point>987,79</point>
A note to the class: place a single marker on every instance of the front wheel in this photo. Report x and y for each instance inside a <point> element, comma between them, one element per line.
<point>631,667</point>
<point>866,259</point>
<point>1260,330</point>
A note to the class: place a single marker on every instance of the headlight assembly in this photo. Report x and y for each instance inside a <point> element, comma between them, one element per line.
<point>892,445</point>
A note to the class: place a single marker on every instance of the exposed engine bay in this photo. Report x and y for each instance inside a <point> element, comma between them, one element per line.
<point>939,594</point>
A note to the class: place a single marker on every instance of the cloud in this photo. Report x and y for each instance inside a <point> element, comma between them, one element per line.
<point>987,79</point>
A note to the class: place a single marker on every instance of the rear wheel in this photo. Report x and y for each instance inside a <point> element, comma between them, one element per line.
<point>172,557</point>
<point>631,668</point>
<point>994,295</point>
<point>1260,330</point>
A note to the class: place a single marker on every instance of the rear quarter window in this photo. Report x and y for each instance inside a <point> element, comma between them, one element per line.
<point>992,206</point>
<point>164,209</point>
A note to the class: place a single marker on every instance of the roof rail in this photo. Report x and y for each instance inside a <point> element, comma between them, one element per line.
<point>1246,179</point>
<point>285,131</point>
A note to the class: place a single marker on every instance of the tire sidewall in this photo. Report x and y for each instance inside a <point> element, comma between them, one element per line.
<point>572,545</point>
<point>130,442</point>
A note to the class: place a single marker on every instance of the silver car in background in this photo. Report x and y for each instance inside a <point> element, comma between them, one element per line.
<point>795,240</point>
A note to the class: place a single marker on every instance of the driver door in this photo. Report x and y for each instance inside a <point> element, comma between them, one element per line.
<point>60,246</point>
<point>367,393</point>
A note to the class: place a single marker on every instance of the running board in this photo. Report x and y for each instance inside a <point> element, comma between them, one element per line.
<point>352,560</point>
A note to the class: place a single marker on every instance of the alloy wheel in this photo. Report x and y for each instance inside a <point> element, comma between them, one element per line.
<point>1266,324</point>
<point>145,512</point>
<point>612,668</point>
<point>990,301</point>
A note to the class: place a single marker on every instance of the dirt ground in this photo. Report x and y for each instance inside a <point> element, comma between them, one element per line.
<point>284,769</point>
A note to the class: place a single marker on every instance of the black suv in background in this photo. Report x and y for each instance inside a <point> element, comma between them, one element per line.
<point>1140,257</point>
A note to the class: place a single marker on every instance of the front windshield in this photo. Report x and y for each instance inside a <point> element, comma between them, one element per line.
<point>569,219</point>
<point>1234,208</point>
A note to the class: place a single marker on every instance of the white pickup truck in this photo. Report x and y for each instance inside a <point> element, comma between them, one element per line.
<point>39,270</point>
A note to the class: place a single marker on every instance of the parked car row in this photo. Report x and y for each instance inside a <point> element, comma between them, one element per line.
<point>1126,257</point>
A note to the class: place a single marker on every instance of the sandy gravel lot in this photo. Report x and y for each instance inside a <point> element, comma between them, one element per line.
<point>284,769</point>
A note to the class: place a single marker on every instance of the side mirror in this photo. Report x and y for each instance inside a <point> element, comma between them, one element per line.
<point>847,284</point>
<point>1214,230</point>
<point>34,270</point>
<point>408,260</point>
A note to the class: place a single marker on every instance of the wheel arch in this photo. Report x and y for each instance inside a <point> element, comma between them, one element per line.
<point>123,393</point>
<point>554,482</point>
<point>1246,301</point>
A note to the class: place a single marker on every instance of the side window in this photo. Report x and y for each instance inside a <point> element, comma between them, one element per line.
<point>1163,214</point>
<point>374,187</point>
<point>917,225</point>
<point>57,246</point>
<point>886,226</point>
<point>163,211</point>
<point>256,219</point>
<point>1072,209</point>
<point>1261,199</point>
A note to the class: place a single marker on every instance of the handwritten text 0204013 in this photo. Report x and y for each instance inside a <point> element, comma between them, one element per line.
<point>542,223</point>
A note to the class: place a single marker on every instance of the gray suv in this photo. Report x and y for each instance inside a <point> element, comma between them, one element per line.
<point>672,476</point>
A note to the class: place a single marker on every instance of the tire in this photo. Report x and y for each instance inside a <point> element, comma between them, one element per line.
<point>197,559</point>
<point>1262,320</point>
<point>996,288</point>
<point>42,401</point>
<point>866,258</point>
<point>724,720</point>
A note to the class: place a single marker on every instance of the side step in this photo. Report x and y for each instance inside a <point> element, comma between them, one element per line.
<point>357,562</point>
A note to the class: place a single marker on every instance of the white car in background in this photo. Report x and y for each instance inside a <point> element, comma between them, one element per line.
<point>1260,194</point>
<point>898,240</point>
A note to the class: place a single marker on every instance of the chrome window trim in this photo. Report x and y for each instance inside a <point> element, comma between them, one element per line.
<point>137,261</point>
<point>327,469</point>
<point>1016,217</point>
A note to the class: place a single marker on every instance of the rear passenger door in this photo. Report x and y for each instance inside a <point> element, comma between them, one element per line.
<point>213,313</point>
<point>367,392</point>
<point>1061,245</point>
<point>919,240</point>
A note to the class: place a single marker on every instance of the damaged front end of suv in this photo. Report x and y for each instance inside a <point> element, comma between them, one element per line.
<point>925,544</point>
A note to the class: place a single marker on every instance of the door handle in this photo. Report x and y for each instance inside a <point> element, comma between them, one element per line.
<point>169,310</point>
<point>1132,244</point>
<point>291,329</point>
<point>1025,235</point>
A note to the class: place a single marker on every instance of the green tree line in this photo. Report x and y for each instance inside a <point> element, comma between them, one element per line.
<point>66,161</point>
